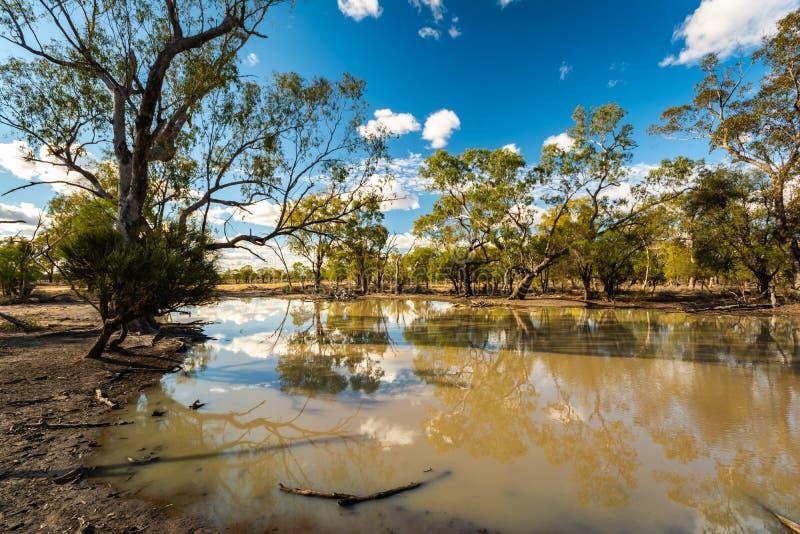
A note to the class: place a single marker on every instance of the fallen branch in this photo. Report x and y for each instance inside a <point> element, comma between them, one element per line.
<point>143,461</point>
<point>16,322</point>
<point>64,426</point>
<point>98,396</point>
<point>74,476</point>
<point>346,499</point>
<point>353,500</point>
<point>790,525</point>
<point>314,493</point>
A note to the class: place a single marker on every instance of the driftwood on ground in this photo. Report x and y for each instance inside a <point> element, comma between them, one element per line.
<point>16,322</point>
<point>65,426</point>
<point>98,396</point>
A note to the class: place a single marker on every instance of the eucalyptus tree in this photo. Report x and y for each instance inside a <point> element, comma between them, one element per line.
<point>481,192</point>
<point>731,219</point>
<point>124,76</point>
<point>363,237</point>
<point>315,242</point>
<point>588,189</point>
<point>757,126</point>
<point>148,94</point>
<point>594,162</point>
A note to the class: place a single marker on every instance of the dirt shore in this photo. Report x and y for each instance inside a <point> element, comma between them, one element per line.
<point>47,395</point>
<point>49,416</point>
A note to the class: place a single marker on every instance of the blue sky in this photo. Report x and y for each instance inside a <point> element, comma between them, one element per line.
<point>511,74</point>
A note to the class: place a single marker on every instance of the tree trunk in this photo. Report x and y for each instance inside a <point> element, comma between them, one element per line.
<point>467,280</point>
<point>102,340</point>
<point>585,273</point>
<point>521,291</point>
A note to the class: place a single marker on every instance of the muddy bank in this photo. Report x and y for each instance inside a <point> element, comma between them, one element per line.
<point>47,415</point>
<point>668,299</point>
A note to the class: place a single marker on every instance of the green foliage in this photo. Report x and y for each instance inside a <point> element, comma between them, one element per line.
<point>18,267</point>
<point>733,226</point>
<point>163,272</point>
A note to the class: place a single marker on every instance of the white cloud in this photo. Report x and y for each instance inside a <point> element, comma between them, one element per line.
<point>613,83</point>
<point>387,122</point>
<point>359,9</point>
<point>13,159</point>
<point>564,70</point>
<point>454,30</point>
<point>388,434</point>
<point>723,26</point>
<point>251,59</point>
<point>436,6</point>
<point>406,172</point>
<point>260,213</point>
<point>562,141</point>
<point>426,32</point>
<point>503,3</point>
<point>406,240</point>
<point>439,127</point>
<point>26,213</point>
<point>512,147</point>
<point>392,190</point>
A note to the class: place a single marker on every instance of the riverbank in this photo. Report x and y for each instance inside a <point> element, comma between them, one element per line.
<point>50,417</point>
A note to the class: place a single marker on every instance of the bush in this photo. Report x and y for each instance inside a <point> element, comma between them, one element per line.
<point>163,271</point>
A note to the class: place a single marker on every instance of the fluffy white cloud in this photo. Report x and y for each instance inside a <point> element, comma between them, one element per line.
<point>436,6</point>
<point>20,218</point>
<point>407,240</point>
<point>454,31</point>
<point>406,172</point>
<point>512,147</point>
<point>397,198</point>
<point>723,26</point>
<point>251,59</point>
<point>503,3</point>
<point>564,70</point>
<point>13,159</point>
<point>426,32</point>
<point>439,127</point>
<point>613,83</point>
<point>562,141</point>
<point>261,213</point>
<point>387,122</point>
<point>359,9</point>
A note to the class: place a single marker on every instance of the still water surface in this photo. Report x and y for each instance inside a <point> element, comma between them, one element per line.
<point>522,420</point>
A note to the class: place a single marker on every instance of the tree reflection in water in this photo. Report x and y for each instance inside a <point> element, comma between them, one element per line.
<point>701,410</point>
<point>326,355</point>
<point>596,407</point>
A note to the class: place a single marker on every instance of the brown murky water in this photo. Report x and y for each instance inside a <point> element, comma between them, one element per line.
<point>522,421</point>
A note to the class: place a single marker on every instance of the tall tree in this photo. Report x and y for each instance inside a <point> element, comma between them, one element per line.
<point>123,74</point>
<point>594,162</point>
<point>481,191</point>
<point>759,127</point>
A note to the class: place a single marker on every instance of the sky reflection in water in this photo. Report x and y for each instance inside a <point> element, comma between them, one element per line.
<point>604,420</point>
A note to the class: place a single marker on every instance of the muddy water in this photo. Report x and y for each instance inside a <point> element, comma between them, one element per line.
<point>520,421</point>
